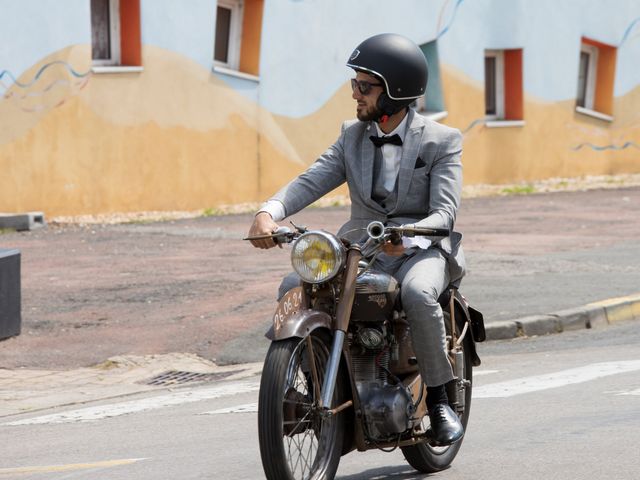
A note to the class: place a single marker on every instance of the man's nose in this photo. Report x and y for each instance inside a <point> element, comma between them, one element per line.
<point>355,94</point>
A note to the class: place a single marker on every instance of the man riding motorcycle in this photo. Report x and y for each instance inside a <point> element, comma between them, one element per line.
<point>401,168</point>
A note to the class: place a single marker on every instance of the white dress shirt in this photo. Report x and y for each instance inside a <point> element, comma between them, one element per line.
<point>391,155</point>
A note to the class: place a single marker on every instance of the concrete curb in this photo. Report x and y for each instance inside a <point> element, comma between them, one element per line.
<point>592,315</point>
<point>22,221</point>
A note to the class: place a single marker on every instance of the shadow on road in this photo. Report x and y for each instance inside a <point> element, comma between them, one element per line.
<point>396,472</point>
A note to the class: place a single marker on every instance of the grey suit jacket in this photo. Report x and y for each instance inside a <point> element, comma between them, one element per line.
<point>428,187</point>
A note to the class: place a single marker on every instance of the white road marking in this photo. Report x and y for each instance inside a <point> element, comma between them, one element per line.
<point>478,373</point>
<point>246,408</point>
<point>631,392</point>
<point>554,380</point>
<point>99,412</point>
<point>492,390</point>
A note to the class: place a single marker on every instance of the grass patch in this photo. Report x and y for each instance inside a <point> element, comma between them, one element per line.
<point>144,221</point>
<point>519,190</point>
<point>7,230</point>
<point>212,212</point>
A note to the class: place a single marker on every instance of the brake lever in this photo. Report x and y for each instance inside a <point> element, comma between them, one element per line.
<point>281,235</point>
<point>299,228</point>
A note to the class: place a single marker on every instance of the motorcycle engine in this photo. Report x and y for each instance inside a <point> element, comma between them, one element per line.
<point>387,405</point>
<point>388,408</point>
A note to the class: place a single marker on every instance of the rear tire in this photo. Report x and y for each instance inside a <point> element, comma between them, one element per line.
<point>296,442</point>
<point>427,458</point>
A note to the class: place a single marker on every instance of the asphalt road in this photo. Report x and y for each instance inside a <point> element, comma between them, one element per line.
<point>573,412</point>
<point>92,292</point>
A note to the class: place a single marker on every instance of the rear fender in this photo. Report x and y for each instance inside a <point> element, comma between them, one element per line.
<point>299,325</point>
<point>463,316</point>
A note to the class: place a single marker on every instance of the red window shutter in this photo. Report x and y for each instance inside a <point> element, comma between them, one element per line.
<point>513,85</point>
<point>130,41</point>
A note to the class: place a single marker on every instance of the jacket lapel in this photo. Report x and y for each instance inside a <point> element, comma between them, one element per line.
<point>367,159</point>
<point>410,149</point>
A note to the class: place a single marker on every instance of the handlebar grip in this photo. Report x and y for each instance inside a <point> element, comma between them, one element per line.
<point>425,231</point>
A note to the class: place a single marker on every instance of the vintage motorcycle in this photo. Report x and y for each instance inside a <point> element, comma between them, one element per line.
<point>340,373</point>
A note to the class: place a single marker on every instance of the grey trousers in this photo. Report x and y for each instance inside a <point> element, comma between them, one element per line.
<point>423,276</point>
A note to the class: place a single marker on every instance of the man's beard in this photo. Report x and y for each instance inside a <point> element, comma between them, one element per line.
<point>371,114</point>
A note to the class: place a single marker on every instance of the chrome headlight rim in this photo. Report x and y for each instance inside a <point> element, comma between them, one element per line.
<point>336,246</point>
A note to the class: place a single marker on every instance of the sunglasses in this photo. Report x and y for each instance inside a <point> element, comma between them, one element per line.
<point>363,87</point>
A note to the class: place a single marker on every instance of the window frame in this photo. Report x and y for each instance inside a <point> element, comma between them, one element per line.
<point>499,85</point>
<point>235,34</point>
<point>592,71</point>
<point>114,38</point>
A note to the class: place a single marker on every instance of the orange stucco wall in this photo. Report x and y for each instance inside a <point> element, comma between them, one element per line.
<point>176,136</point>
<point>554,142</point>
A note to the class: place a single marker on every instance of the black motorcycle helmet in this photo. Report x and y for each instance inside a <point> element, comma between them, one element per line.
<point>398,63</point>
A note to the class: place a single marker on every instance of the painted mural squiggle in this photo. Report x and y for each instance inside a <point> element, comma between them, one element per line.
<point>441,32</point>
<point>629,29</point>
<point>477,121</point>
<point>31,100</point>
<point>51,86</point>
<point>42,69</point>
<point>599,148</point>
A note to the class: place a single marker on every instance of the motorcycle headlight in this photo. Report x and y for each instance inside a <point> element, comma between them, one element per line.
<point>317,256</point>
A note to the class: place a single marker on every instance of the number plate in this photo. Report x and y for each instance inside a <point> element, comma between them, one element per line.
<point>289,305</point>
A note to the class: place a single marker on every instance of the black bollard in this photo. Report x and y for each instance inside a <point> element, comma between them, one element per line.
<point>10,296</point>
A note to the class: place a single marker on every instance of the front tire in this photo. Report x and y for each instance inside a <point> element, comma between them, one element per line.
<point>428,458</point>
<point>296,441</point>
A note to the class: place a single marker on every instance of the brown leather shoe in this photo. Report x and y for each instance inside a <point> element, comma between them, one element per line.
<point>445,425</point>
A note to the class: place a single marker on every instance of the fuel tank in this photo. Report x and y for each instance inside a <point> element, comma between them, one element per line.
<point>376,294</point>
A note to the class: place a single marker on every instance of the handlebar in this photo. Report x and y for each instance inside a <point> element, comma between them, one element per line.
<point>375,230</point>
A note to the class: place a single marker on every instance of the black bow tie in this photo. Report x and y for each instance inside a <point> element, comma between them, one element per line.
<point>380,141</point>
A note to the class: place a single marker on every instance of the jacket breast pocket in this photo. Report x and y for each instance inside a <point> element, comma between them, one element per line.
<point>418,193</point>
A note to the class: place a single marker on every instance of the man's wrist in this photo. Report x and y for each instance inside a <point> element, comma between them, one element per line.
<point>273,208</point>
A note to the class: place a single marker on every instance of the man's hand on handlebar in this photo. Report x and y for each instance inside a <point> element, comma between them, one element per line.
<point>391,249</point>
<point>393,245</point>
<point>263,224</point>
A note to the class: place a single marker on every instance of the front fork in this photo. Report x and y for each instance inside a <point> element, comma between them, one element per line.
<point>345,304</point>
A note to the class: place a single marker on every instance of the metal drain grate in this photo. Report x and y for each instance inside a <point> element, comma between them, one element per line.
<point>174,377</point>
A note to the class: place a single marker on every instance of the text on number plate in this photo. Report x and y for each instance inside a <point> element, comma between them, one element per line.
<point>290,304</point>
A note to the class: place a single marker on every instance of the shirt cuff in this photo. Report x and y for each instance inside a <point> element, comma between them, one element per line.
<point>274,208</point>
<point>420,242</point>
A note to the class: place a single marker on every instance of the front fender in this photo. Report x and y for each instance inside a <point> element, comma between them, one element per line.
<point>299,325</point>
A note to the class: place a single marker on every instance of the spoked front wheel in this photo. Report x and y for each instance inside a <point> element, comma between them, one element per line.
<point>297,442</point>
